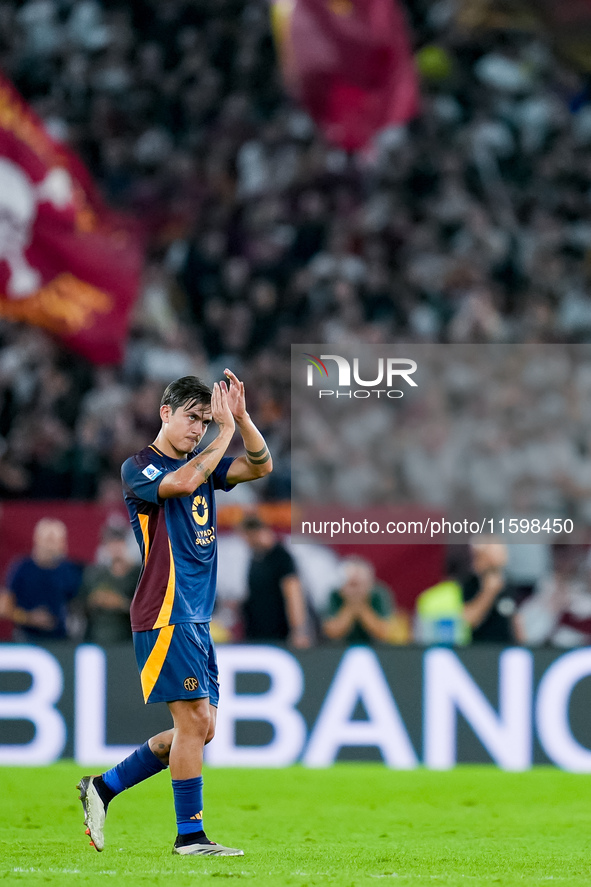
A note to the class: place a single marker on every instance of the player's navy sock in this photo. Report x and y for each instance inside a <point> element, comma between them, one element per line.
<point>104,792</point>
<point>192,838</point>
<point>140,765</point>
<point>188,804</point>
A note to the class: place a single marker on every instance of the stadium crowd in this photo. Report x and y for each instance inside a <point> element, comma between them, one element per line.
<point>495,432</point>
<point>270,590</point>
<point>471,224</point>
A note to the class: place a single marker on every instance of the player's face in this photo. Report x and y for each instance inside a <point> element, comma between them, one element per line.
<point>186,426</point>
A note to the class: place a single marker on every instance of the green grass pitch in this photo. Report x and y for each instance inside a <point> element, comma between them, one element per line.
<point>353,824</point>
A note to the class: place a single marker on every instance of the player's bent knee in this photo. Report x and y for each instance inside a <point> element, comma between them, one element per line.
<point>191,716</point>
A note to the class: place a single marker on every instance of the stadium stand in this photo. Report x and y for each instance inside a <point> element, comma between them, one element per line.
<point>260,235</point>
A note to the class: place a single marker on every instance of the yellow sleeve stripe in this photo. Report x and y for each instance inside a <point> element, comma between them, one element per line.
<point>144,520</point>
<point>166,608</point>
<point>151,670</point>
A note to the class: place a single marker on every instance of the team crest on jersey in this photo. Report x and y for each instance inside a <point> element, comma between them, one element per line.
<point>200,510</point>
<point>151,472</point>
<point>190,684</point>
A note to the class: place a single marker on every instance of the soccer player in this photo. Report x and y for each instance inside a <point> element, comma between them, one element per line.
<point>169,492</point>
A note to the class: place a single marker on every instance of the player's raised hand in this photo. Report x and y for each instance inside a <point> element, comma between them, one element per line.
<point>236,398</point>
<point>220,408</point>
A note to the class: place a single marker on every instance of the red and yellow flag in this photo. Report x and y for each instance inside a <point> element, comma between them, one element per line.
<point>349,64</point>
<point>67,262</point>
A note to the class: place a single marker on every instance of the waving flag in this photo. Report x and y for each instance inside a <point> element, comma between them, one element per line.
<point>67,263</point>
<point>348,63</point>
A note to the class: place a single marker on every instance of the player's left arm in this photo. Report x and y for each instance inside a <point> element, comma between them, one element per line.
<point>257,461</point>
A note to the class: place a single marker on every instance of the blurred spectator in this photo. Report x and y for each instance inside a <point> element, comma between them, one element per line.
<point>360,610</point>
<point>107,591</point>
<point>275,606</point>
<point>41,587</point>
<point>317,567</point>
<point>559,611</point>
<point>439,617</point>
<point>527,564</point>
<point>489,602</point>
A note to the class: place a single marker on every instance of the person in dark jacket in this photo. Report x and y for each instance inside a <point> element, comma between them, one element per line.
<point>275,606</point>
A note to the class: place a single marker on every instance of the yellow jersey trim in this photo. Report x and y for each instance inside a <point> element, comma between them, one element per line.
<point>166,608</point>
<point>144,520</point>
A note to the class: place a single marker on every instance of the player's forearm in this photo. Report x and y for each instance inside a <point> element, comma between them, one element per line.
<point>189,477</point>
<point>257,451</point>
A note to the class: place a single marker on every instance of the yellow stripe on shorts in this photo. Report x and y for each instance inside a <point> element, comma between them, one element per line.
<point>151,670</point>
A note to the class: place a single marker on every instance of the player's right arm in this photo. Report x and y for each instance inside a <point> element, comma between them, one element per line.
<point>185,480</point>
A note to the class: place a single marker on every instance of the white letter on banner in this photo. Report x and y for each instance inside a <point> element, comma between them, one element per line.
<point>552,704</point>
<point>449,687</point>
<point>90,705</point>
<point>360,678</point>
<point>275,707</point>
<point>37,704</point>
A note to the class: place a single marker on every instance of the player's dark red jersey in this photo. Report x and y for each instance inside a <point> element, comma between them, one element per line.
<point>177,538</point>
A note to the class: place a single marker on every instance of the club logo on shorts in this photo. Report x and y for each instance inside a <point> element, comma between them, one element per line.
<point>200,510</point>
<point>190,684</point>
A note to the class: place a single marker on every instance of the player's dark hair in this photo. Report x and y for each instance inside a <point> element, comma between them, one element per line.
<point>187,391</point>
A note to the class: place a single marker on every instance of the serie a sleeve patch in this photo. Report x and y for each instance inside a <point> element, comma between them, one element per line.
<point>151,472</point>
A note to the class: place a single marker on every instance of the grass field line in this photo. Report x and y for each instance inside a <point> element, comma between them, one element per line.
<point>408,876</point>
<point>52,870</point>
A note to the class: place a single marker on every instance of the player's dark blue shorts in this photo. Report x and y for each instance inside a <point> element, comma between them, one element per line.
<point>177,662</point>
